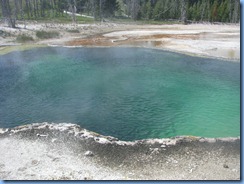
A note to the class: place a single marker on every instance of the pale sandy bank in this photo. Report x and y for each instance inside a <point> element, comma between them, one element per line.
<point>221,41</point>
<point>65,151</point>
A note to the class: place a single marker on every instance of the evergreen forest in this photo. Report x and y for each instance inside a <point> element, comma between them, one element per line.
<point>186,11</point>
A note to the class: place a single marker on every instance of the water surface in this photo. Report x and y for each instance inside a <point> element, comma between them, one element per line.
<point>129,93</point>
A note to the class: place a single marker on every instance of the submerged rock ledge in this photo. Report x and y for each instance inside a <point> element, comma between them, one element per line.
<point>67,151</point>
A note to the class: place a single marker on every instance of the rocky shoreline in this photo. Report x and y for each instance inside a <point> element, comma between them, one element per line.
<point>66,151</point>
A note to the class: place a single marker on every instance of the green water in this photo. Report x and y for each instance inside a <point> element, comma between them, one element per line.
<point>128,93</point>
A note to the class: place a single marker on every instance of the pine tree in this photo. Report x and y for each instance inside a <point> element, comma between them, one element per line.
<point>215,11</point>
<point>157,10</point>
<point>110,7</point>
<point>148,10</point>
<point>194,12</point>
<point>174,9</point>
<point>135,9</point>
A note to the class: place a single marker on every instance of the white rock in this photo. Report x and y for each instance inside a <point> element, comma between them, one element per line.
<point>102,140</point>
<point>3,131</point>
<point>89,153</point>
<point>54,140</point>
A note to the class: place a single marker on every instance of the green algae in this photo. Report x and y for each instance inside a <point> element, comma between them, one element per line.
<point>20,47</point>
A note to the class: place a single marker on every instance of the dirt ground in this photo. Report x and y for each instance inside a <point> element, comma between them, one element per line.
<point>219,41</point>
<point>67,152</point>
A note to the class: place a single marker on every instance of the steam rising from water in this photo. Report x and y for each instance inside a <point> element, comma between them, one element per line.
<point>129,93</point>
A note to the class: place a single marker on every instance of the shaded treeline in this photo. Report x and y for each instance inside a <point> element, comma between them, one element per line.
<point>159,10</point>
<point>12,10</point>
<point>193,10</point>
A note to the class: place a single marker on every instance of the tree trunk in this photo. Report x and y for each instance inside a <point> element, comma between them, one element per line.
<point>4,9</point>
<point>7,14</point>
<point>21,11</point>
<point>101,10</point>
<point>94,9</point>
<point>16,10</point>
<point>184,11</point>
<point>135,8</point>
<point>203,5</point>
<point>128,7</point>
<point>235,18</point>
<point>37,8</point>
<point>34,8</point>
<point>42,8</point>
<point>30,8</point>
<point>72,9</point>
<point>230,10</point>
<point>27,8</point>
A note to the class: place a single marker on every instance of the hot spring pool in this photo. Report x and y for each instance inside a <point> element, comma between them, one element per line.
<point>128,93</point>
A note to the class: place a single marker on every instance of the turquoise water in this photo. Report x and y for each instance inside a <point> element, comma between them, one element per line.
<point>128,93</point>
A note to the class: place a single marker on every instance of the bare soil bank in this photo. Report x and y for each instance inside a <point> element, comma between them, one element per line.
<point>221,41</point>
<point>66,151</point>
